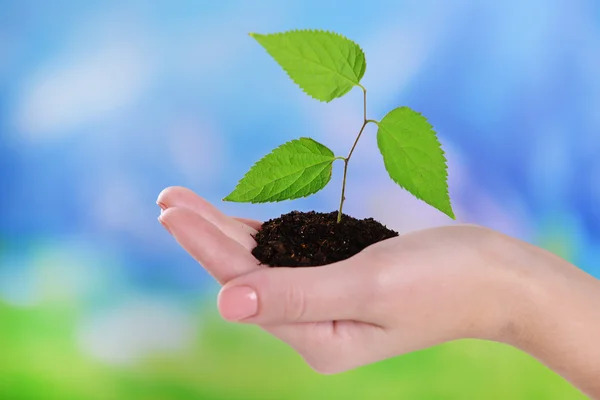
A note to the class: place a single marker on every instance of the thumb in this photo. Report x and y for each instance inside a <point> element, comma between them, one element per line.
<point>280,295</point>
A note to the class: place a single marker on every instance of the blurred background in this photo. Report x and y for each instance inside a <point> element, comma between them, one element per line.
<point>103,104</point>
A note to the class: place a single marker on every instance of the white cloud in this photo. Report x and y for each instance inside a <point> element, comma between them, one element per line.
<point>81,87</point>
<point>135,330</point>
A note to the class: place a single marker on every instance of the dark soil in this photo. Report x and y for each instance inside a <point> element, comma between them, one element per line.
<point>306,239</point>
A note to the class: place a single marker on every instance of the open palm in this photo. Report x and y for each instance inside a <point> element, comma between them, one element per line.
<point>396,296</point>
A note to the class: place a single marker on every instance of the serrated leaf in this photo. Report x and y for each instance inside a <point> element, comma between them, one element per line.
<point>325,65</point>
<point>414,158</point>
<point>295,169</point>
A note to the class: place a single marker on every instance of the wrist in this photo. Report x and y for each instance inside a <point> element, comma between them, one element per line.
<point>524,287</point>
<point>508,289</point>
<point>549,297</point>
<point>552,313</point>
<point>501,286</point>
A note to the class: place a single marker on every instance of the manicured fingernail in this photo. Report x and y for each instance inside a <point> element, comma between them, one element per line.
<point>163,224</point>
<point>162,206</point>
<point>238,302</point>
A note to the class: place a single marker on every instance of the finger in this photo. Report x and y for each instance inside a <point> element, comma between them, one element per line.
<point>252,223</point>
<point>289,295</point>
<point>177,196</point>
<point>223,257</point>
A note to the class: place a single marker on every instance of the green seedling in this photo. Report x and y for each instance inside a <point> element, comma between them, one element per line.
<point>326,66</point>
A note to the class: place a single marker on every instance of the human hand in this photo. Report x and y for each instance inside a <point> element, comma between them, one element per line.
<point>401,294</point>
<point>397,296</point>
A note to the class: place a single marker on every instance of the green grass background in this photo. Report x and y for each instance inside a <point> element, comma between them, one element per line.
<point>40,360</point>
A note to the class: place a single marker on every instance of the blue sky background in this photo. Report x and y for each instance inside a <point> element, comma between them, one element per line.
<point>104,104</point>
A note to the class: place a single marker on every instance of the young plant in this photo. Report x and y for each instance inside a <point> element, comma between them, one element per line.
<point>326,66</point>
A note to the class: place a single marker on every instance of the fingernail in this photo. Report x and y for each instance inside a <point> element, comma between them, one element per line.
<point>163,224</point>
<point>238,302</point>
<point>162,206</point>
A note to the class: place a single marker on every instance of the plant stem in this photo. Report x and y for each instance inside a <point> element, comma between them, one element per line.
<point>347,159</point>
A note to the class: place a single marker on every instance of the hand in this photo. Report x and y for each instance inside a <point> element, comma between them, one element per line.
<point>396,296</point>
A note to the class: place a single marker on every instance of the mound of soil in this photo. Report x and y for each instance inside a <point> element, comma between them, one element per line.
<point>308,239</point>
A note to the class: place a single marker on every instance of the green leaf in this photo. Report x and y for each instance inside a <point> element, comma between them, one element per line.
<point>325,65</point>
<point>295,169</point>
<point>414,158</point>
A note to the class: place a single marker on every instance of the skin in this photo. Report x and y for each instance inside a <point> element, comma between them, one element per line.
<point>401,295</point>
